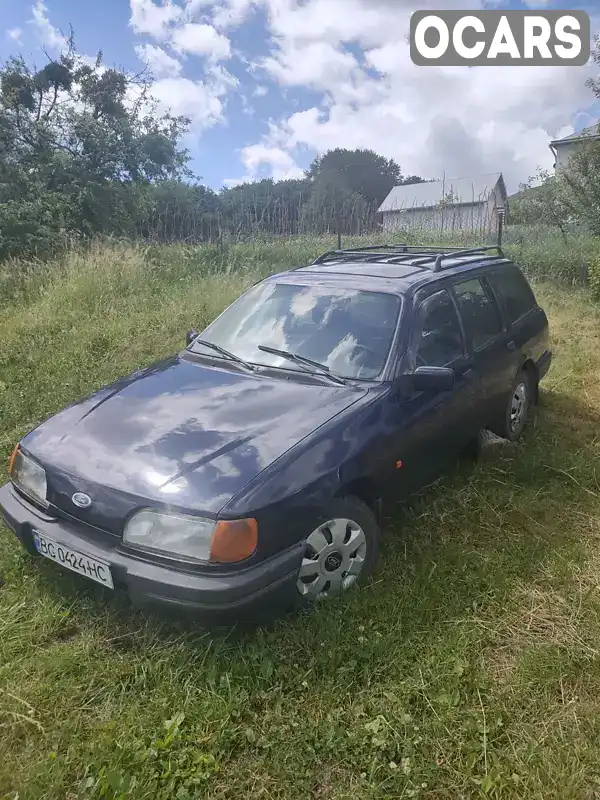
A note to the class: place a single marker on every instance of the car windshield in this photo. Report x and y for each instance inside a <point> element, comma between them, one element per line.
<point>346,330</point>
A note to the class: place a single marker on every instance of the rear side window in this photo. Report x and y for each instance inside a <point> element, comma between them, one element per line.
<point>479,312</point>
<point>514,292</point>
<point>441,340</point>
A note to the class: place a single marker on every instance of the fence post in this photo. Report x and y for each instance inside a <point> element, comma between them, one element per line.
<point>500,226</point>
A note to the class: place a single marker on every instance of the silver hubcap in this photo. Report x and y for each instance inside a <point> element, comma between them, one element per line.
<point>335,556</point>
<point>518,407</point>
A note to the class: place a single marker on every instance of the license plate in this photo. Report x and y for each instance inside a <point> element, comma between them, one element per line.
<point>78,562</point>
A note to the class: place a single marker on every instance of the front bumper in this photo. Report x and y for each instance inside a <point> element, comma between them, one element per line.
<point>263,589</point>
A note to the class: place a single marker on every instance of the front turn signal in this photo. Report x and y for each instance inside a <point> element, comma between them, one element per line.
<point>233,540</point>
<point>11,460</point>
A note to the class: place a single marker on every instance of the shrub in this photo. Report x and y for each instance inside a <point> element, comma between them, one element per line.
<point>594,277</point>
<point>545,254</point>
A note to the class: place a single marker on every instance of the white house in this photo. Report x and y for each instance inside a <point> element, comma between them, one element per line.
<point>451,204</point>
<point>564,148</point>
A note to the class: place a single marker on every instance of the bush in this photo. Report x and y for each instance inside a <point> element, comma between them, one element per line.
<point>545,253</point>
<point>594,277</point>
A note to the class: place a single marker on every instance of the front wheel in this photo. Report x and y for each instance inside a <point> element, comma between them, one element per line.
<point>520,400</point>
<point>340,552</point>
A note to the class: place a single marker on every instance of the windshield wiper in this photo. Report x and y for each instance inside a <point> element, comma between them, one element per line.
<point>303,362</point>
<point>225,353</point>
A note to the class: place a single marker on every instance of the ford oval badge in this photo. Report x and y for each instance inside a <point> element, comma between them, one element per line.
<point>82,500</point>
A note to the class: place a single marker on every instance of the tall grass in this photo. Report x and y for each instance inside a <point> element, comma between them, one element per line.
<point>544,253</point>
<point>72,324</point>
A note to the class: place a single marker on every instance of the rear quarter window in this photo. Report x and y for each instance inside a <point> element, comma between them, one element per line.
<point>479,312</point>
<point>514,292</point>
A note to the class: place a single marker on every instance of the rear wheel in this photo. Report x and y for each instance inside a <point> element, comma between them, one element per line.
<point>340,552</point>
<point>520,401</point>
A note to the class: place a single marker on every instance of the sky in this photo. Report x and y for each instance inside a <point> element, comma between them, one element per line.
<point>268,84</point>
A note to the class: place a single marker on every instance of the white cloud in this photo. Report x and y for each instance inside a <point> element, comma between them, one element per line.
<point>231,13</point>
<point>202,40</point>
<point>356,21</point>
<point>15,34</point>
<point>202,101</point>
<point>50,36</point>
<point>247,107</point>
<point>230,183</point>
<point>461,120</point>
<point>221,79</point>
<point>189,98</point>
<point>192,6</point>
<point>280,164</point>
<point>160,63</point>
<point>153,18</point>
<point>312,64</point>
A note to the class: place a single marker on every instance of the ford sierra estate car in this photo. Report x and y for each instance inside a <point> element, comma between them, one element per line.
<point>245,475</point>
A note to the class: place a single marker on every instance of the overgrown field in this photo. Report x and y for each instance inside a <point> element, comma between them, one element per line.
<point>469,667</point>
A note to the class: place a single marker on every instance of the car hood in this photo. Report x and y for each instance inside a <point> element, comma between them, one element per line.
<point>181,432</point>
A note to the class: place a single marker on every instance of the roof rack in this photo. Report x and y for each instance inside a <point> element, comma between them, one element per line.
<point>473,251</point>
<point>433,254</point>
<point>384,250</point>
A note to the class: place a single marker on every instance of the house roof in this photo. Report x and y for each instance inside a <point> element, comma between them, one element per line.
<point>427,195</point>
<point>590,132</point>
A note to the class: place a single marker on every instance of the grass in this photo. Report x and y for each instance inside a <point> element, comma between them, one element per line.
<point>468,667</point>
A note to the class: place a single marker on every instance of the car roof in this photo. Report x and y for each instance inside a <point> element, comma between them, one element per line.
<point>397,269</point>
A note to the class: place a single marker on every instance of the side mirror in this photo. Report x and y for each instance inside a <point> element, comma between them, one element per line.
<point>190,336</point>
<point>433,379</point>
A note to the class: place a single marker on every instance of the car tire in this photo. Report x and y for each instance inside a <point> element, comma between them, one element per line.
<point>520,400</point>
<point>341,551</point>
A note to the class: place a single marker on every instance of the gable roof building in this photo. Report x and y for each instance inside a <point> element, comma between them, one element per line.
<point>564,148</point>
<point>450,204</point>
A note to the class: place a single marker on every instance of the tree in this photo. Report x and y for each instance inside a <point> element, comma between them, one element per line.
<point>84,152</point>
<point>332,208</point>
<point>579,187</point>
<point>174,211</point>
<point>360,172</point>
<point>594,83</point>
<point>265,206</point>
<point>541,201</point>
<point>77,140</point>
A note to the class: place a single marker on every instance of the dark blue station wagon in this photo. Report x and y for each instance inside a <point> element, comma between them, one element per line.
<point>246,474</point>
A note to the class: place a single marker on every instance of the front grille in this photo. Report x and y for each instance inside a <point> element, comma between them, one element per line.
<point>88,531</point>
<point>106,513</point>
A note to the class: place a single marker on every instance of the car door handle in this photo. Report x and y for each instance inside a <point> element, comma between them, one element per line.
<point>511,346</point>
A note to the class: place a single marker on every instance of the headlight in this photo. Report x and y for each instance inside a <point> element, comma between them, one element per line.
<point>192,537</point>
<point>28,476</point>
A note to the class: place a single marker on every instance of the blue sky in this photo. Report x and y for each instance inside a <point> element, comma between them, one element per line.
<point>269,83</point>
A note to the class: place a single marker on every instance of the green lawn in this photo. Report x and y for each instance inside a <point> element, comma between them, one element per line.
<point>468,667</point>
